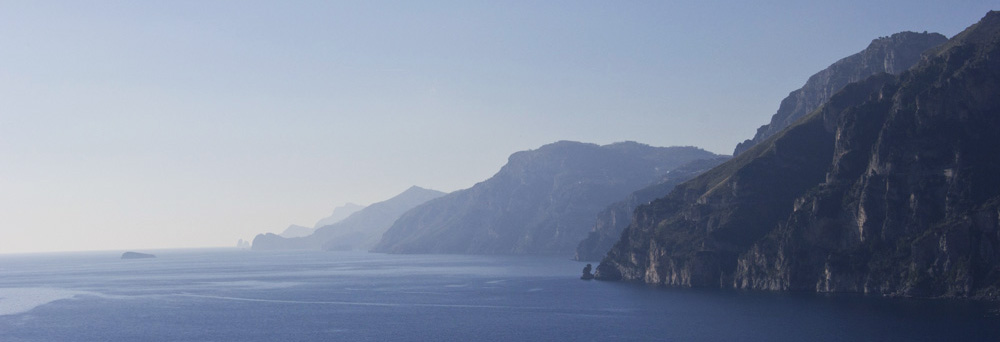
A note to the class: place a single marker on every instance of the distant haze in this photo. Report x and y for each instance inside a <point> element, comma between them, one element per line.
<point>339,213</point>
<point>157,124</point>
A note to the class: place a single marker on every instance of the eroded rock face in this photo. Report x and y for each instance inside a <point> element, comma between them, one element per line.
<point>893,54</point>
<point>891,187</point>
<point>542,201</point>
<point>692,236</point>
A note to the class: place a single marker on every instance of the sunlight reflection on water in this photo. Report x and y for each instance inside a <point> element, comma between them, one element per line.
<point>19,300</point>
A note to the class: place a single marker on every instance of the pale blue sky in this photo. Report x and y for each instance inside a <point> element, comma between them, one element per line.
<point>150,124</point>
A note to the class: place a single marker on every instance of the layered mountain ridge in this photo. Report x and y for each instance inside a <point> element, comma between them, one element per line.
<point>339,214</point>
<point>359,231</point>
<point>891,187</point>
<point>294,231</point>
<point>611,221</point>
<point>542,201</point>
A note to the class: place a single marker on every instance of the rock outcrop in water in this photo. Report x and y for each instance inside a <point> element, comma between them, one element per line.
<point>359,231</point>
<point>613,219</point>
<point>542,202</point>
<point>586,272</point>
<point>893,54</point>
<point>136,255</point>
<point>892,187</point>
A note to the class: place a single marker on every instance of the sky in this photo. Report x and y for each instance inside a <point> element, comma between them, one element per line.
<point>136,125</point>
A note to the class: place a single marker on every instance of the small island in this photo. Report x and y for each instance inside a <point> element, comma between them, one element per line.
<point>136,255</point>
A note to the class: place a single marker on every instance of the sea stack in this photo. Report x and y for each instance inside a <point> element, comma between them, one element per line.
<point>586,273</point>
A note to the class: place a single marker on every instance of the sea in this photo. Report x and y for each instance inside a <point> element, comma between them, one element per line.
<point>240,295</point>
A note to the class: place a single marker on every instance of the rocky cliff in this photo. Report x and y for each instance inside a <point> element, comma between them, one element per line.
<point>893,54</point>
<point>541,201</point>
<point>359,231</point>
<point>891,187</point>
<point>612,220</point>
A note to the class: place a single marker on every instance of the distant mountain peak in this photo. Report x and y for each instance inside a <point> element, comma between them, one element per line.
<point>296,231</point>
<point>358,231</point>
<point>542,201</point>
<point>338,214</point>
<point>415,188</point>
<point>904,37</point>
<point>628,143</point>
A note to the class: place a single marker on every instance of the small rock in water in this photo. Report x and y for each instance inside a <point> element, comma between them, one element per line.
<point>586,273</point>
<point>136,255</point>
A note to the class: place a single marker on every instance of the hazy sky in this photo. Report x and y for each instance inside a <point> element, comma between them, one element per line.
<point>151,124</point>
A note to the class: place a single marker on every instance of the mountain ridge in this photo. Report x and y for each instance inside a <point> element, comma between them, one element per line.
<point>893,54</point>
<point>611,221</point>
<point>542,201</point>
<point>338,214</point>
<point>359,231</point>
<point>889,188</point>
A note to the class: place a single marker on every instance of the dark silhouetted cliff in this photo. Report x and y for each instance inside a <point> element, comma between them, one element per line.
<point>893,54</point>
<point>892,187</point>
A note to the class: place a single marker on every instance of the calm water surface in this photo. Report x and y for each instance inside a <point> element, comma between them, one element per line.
<point>230,295</point>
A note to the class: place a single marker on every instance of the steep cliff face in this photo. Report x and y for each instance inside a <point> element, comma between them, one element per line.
<point>359,231</point>
<point>893,54</point>
<point>541,201</point>
<point>892,187</point>
<point>612,220</point>
<point>692,236</point>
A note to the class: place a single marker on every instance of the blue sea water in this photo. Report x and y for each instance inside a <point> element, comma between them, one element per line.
<point>232,295</point>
